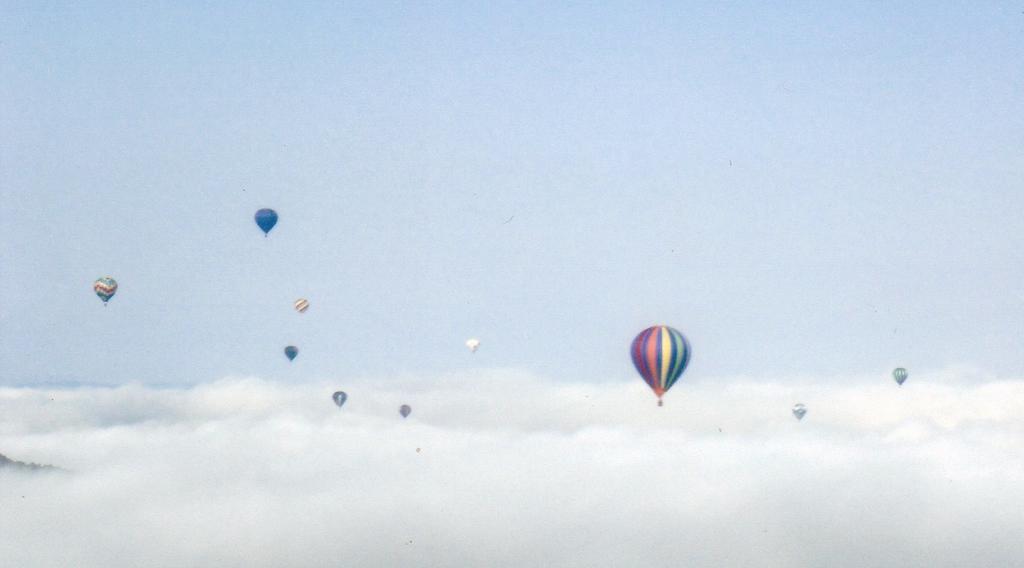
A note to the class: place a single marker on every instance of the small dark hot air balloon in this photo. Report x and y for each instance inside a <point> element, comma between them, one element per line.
<point>339,398</point>
<point>290,352</point>
<point>405,410</point>
<point>799,410</point>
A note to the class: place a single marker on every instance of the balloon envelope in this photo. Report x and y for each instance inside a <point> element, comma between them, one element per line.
<point>266,219</point>
<point>105,288</point>
<point>799,410</point>
<point>301,305</point>
<point>291,351</point>
<point>900,375</point>
<point>660,354</point>
<point>405,410</point>
<point>473,344</point>
<point>339,398</point>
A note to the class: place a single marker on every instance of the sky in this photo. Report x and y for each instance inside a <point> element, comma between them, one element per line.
<point>801,188</point>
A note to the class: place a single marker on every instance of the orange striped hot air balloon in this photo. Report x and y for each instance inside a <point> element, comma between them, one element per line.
<point>105,288</point>
<point>301,305</point>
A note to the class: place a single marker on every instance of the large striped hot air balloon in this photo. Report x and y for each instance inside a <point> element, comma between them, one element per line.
<point>301,305</point>
<point>660,355</point>
<point>105,288</point>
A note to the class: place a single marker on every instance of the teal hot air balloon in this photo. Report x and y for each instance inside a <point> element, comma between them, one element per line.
<point>290,352</point>
<point>660,354</point>
<point>105,288</point>
<point>900,375</point>
<point>799,410</point>
<point>266,219</point>
<point>339,398</point>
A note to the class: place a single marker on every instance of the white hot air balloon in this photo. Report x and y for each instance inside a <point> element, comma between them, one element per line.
<point>301,305</point>
<point>473,344</point>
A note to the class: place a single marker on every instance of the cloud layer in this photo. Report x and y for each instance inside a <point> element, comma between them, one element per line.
<point>504,469</point>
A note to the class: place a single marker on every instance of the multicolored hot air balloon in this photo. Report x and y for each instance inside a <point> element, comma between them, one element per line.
<point>105,288</point>
<point>266,219</point>
<point>900,375</point>
<point>339,398</point>
<point>473,344</point>
<point>290,352</point>
<point>405,410</point>
<point>301,305</point>
<point>799,410</point>
<point>660,355</point>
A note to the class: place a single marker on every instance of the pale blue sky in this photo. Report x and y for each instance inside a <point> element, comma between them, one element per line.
<point>812,188</point>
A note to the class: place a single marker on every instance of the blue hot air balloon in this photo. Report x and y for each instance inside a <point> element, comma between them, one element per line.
<point>290,352</point>
<point>266,219</point>
<point>405,410</point>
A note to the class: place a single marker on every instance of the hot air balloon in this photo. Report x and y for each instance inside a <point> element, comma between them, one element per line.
<point>473,344</point>
<point>405,410</point>
<point>799,410</point>
<point>900,375</point>
<point>105,288</point>
<point>290,352</point>
<point>339,398</point>
<point>266,219</point>
<point>660,355</point>
<point>301,305</point>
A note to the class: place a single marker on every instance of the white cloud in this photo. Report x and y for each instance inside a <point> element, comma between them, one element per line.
<point>514,470</point>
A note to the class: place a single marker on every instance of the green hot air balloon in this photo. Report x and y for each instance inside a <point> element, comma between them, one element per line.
<point>900,375</point>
